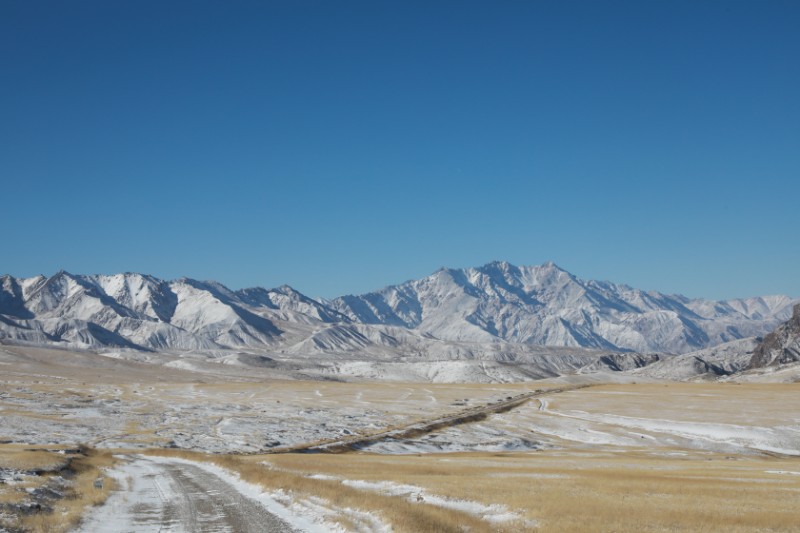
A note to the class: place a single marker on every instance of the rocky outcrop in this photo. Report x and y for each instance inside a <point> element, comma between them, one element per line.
<point>781,346</point>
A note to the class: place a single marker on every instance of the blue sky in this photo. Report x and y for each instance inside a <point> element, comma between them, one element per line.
<point>343,146</point>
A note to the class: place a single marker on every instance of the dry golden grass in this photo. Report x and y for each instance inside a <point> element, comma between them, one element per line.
<point>80,469</point>
<point>731,403</point>
<point>580,488</point>
<point>575,489</point>
<point>25,457</point>
<point>624,492</point>
<point>403,515</point>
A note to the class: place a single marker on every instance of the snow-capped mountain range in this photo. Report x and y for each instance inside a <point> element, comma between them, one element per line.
<point>456,313</point>
<point>549,306</point>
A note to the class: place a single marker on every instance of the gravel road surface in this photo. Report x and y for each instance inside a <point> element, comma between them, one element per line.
<point>163,496</point>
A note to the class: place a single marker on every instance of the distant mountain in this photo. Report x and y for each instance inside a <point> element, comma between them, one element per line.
<point>709,363</point>
<point>781,346</point>
<point>547,305</point>
<point>497,311</point>
<point>142,312</point>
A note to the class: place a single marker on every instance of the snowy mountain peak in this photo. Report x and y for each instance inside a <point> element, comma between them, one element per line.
<point>497,303</point>
<point>545,304</point>
<point>502,266</point>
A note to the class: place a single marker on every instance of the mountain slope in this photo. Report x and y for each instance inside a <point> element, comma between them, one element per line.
<point>781,346</point>
<point>496,311</point>
<point>547,305</point>
<point>709,363</point>
<point>142,312</point>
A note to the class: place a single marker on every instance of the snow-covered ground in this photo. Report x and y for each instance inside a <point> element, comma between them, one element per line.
<point>157,494</point>
<point>721,418</point>
<point>498,514</point>
<point>128,405</point>
<point>52,397</point>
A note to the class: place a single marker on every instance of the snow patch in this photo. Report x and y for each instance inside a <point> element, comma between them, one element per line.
<point>302,517</point>
<point>494,513</point>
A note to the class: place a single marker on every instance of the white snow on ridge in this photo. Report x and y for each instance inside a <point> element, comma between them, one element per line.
<point>547,305</point>
<point>494,304</point>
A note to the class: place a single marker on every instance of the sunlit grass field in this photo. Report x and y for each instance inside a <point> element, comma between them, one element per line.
<point>647,456</point>
<point>551,491</point>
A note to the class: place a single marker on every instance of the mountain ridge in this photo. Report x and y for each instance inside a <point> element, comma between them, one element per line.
<point>545,304</point>
<point>781,346</point>
<point>494,303</point>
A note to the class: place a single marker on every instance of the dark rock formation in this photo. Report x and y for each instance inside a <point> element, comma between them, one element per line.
<point>781,346</point>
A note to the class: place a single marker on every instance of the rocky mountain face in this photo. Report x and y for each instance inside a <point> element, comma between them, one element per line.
<point>498,311</point>
<point>142,312</point>
<point>546,305</point>
<point>781,346</point>
<point>709,363</point>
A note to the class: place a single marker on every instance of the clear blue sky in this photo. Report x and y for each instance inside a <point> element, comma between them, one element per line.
<point>343,146</point>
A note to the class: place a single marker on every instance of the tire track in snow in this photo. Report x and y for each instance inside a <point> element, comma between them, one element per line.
<point>177,496</point>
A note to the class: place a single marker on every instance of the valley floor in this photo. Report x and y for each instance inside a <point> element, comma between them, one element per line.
<point>577,455</point>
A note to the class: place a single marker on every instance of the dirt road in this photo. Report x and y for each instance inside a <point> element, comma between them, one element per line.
<point>159,495</point>
<point>422,427</point>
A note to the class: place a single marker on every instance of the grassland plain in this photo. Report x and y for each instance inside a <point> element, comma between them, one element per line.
<point>542,491</point>
<point>576,484</point>
<point>647,456</point>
